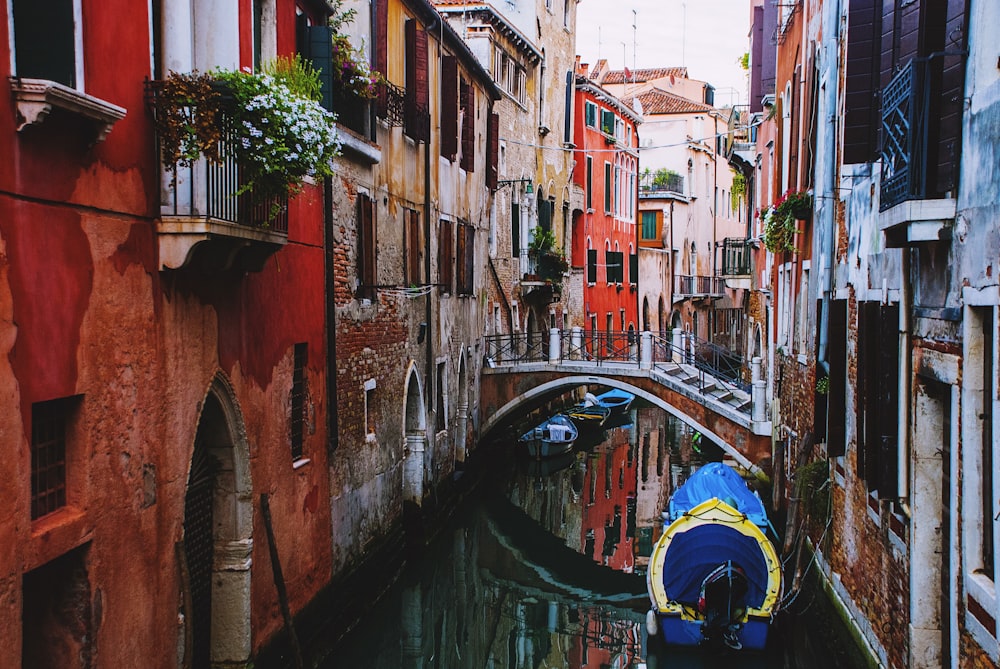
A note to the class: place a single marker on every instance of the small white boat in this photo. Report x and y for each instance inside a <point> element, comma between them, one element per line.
<point>551,437</point>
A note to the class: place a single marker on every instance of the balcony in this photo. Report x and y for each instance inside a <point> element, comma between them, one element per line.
<point>736,255</point>
<point>661,183</point>
<point>698,287</point>
<point>911,210</point>
<point>206,222</point>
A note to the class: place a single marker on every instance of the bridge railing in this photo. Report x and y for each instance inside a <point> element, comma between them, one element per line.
<point>516,348</point>
<point>710,369</point>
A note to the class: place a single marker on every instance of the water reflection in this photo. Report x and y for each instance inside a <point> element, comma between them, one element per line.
<point>547,567</point>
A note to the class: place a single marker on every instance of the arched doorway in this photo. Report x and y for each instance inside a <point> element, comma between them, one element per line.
<point>217,541</point>
<point>645,314</point>
<point>415,431</point>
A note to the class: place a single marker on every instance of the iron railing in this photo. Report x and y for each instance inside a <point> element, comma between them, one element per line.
<point>686,285</point>
<point>663,182</point>
<point>736,256</point>
<point>712,363</point>
<point>215,190</point>
<point>905,110</point>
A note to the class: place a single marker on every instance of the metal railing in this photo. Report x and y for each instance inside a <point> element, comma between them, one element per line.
<point>210,189</point>
<point>735,257</point>
<point>669,182</point>
<point>390,104</point>
<point>905,104</point>
<point>714,364</point>
<point>688,285</point>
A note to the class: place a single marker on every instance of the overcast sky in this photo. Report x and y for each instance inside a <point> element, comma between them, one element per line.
<point>708,36</point>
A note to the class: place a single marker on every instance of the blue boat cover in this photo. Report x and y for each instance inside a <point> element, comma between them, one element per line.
<point>696,552</point>
<point>721,481</point>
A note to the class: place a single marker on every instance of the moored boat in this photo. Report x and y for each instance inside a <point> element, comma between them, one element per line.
<point>589,413</point>
<point>552,436</point>
<point>617,400</point>
<point>714,575</point>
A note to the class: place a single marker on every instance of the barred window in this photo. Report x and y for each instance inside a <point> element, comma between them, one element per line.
<point>49,422</point>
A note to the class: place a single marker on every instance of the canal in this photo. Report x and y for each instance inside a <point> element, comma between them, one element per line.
<point>544,566</point>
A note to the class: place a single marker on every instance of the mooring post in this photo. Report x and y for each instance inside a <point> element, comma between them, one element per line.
<point>646,350</point>
<point>555,346</point>
<point>576,343</point>
<point>758,394</point>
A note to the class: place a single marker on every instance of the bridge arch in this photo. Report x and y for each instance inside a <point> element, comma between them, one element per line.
<point>549,388</point>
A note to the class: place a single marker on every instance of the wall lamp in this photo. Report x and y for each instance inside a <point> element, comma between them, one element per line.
<point>529,189</point>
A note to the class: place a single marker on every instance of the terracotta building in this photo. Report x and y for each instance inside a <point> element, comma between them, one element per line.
<point>605,242</point>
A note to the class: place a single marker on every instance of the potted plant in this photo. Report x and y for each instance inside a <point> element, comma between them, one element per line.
<point>781,220</point>
<point>550,261</point>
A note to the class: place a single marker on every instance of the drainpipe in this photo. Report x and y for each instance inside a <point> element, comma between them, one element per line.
<point>332,427</point>
<point>903,418</point>
<point>429,378</point>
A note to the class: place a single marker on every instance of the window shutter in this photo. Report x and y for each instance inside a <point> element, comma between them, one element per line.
<point>446,259</point>
<point>412,247</point>
<point>861,117</point>
<point>366,247</point>
<point>544,215</point>
<point>320,54</point>
<point>382,36</point>
<point>836,433</point>
<point>417,122</point>
<point>888,399</point>
<point>493,141</point>
<point>45,40</point>
<point>449,107</point>
<point>607,187</point>
<point>607,122</point>
<point>591,265</point>
<point>590,182</point>
<point>460,251</point>
<point>633,268</point>
<point>609,270</point>
<point>470,259</point>
<point>468,102</point>
<point>515,230</point>
<point>568,121</point>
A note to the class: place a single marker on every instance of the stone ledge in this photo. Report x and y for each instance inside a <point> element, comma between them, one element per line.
<point>35,99</point>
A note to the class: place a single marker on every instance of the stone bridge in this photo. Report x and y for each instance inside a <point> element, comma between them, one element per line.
<point>522,374</point>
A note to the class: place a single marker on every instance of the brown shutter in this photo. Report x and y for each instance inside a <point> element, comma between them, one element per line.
<point>861,107</point>
<point>412,247</point>
<point>449,107</point>
<point>446,256</point>
<point>416,121</point>
<point>470,258</point>
<point>468,101</point>
<point>366,247</point>
<point>493,140</point>
<point>837,357</point>
<point>382,36</point>
<point>888,399</point>
<point>460,257</point>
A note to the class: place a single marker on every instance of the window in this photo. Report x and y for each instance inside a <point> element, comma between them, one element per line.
<point>614,261</point>
<point>493,151</point>
<point>416,123</point>
<point>412,247</point>
<point>515,229</point>
<point>590,182</point>
<point>467,102</point>
<point>465,258</point>
<point>836,434</point>
<point>369,389</point>
<point>446,256</point>
<point>651,222</point>
<point>591,266</point>
<point>608,122</point>
<point>633,266</point>
<point>449,107</point>
<point>607,188</point>
<point>439,408</point>
<point>297,419</point>
<point>590,114</point>
<point>49,426</point>
<point>803,320</point>
<point>366,247</point>
<point>45,41</point>
<point>876,395</point>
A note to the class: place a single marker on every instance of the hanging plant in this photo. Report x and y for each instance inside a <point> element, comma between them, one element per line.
<point>271,121</point>
<point>739,189</point>
<point>781,220</point>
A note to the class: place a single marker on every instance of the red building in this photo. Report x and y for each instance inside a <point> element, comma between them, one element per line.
<point>605,238</point>
<point>164,359</point>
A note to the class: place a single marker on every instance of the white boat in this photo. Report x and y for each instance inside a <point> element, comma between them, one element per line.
<point>550,437</point>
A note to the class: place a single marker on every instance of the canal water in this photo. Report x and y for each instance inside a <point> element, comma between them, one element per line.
<point>544,567</point>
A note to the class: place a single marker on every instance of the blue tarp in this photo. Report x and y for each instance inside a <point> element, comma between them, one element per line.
<point>721,481</point>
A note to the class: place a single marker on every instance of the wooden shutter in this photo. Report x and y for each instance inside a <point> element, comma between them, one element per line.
<point>837,357</point>
<point>633,268</point>
<point>888,399</point>
<point>515,230</point>
<point>412,247</point>
<point>449,107</point>
<point>417,122</point>
<point>869,440</point>
<point>460,251</point>
<point>861,109</point>
<point>590,182</point>
<point>470,259</point>
<point>320,54</point>
<point>382,37</point>
<point>446,260</point>
<point>821,400</point>
<point>366,247</point>
<point>591,265</point>
<point>607,187</point>
<point>493,143</point>
<point>468,103</point>
<point>544,215</point>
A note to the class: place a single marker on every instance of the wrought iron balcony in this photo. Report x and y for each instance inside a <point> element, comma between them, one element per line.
<point>206,218</point>
<point>905,110</point>
<point>656,184</point>
<point>736,257</point>
<point>686,285</point>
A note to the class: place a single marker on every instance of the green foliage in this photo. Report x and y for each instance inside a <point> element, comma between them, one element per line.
<point>744,61</point>
<point>739,189</point>
<point>296,74</point>
<point>781,220</point>
<point>823,385</point>
<point>662,177</point>
<point>542,240</point>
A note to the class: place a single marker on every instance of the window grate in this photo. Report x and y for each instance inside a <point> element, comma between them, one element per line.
<point>48,456</point>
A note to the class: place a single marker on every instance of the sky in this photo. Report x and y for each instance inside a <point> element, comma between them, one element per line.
<point>708,36</point>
